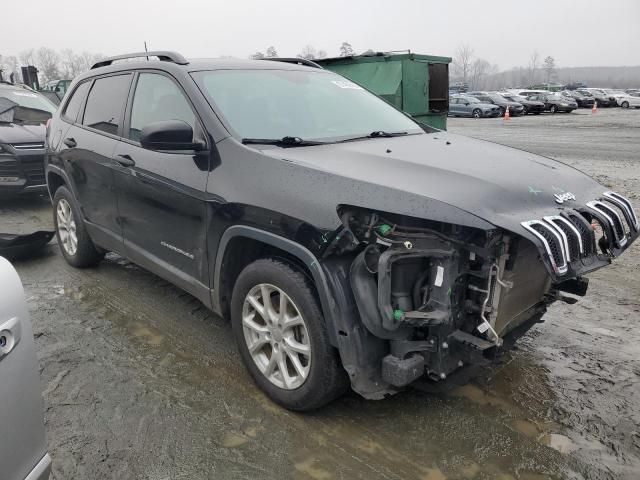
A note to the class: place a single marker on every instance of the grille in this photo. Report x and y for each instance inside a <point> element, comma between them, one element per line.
<point>9,168</point>
<point>33,169</point>
<point>569,236</point>
<point>28,146</point>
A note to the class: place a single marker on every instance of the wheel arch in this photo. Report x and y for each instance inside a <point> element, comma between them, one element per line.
<point>56,178</point>
<point>249,244</point>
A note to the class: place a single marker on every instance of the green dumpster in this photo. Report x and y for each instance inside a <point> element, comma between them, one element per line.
<point>417,84</point>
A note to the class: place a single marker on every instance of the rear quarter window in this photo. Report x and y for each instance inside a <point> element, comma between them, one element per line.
<point>75,102</point>
<point>105,104</point>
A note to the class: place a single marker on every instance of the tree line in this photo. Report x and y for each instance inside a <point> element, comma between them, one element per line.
<point>67,64</point>
<point>51,64</point>
<point>480,74</point>
<point>309,52</point>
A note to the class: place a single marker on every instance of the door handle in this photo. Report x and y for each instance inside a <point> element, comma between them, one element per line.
<point>70,142</point>
<point>10,334</point>
<point>125,160</point>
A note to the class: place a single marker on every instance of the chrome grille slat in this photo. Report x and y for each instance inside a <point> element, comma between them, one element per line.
<point>570,236</point>
<point>611,216</point>
<point>559,264</point>
<point>626,207</point>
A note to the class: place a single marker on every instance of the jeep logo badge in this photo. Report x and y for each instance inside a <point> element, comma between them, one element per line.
<point>564,197</point>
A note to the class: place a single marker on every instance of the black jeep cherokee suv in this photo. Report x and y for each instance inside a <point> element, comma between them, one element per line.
<point>23,114</point>
<point>347,243</point>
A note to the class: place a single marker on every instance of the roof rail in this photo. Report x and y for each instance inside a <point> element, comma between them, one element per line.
<point>162,55</point>
<point>294,60</point>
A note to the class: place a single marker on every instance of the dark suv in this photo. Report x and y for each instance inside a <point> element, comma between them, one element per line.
<point>347,243</point>
<point>23,114</point>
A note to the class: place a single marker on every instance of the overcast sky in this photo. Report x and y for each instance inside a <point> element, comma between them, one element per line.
<point>505,32</point>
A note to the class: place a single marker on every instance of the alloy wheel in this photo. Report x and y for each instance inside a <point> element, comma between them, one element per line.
<point>66,227</point>
<point>276,336</point>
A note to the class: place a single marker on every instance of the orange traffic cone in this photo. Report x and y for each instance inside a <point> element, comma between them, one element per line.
<point>594,109</point>
<point>507,116</point>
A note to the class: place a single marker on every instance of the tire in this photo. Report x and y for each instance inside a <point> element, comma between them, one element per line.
<point>525,110</point>
<point>67,221</point>
<point>624,104</point>
<point>553,109</point>
<point>325,379</point>
<point>477,113</point>
<point>502,111</point>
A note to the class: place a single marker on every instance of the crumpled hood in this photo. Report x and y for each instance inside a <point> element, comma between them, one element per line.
<point>15,133</point>
<point>499,184</point>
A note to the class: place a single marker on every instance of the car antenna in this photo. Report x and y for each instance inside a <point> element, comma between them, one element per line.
<point>145,49</point>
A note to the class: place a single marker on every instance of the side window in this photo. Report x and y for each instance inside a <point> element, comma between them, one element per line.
<point>75,102</point>
<point>106,103</point>
<point>158,98</point>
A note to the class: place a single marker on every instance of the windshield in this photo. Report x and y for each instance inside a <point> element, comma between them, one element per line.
<point>496,98</point>
<point>310,105</point>
<point>555,97</point>
<point>24,106</point>
<point>470,99</point>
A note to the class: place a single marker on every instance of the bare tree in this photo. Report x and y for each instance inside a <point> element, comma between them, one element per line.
<point>26,57</point>
<point>9,66</point>
<point>549,67</point>
<point>479,69</point>
<point>271,52</point>
<point>310,52</point>
<point>257,56</point>
<point>463,60</point>
<point>87,59</point>
<point>72,64</point>
<point>346,50</point>
<point>48,62</point>
<point>534,62</point>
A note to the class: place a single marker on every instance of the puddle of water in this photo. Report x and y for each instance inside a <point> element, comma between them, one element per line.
<point>234,440</point>
<point>558,442</point>
<point>310,469</point>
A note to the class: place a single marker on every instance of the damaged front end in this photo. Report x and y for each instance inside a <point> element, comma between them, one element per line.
<point>419,298</point>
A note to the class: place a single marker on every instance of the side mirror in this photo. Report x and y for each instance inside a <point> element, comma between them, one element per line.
<point>169,135</point>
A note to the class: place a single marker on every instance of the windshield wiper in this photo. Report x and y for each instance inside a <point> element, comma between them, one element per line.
<point>382,133</point>
<point>282,142</point>
<point>375,134</point>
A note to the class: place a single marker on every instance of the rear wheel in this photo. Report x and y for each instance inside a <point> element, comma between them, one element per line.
<point>282,336</point>
<point>477,113</point>
<point>74,241</point>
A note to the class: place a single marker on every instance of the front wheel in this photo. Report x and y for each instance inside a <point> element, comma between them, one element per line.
<point>624,104</point>
<point>553,109</point>
<point>477,113</point>
<point>75,244</point>
<point>282,336</point>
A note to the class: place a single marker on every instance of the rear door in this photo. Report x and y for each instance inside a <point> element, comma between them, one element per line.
<point>22,435</point>
<point>87,150</point>
<point>161,195</point>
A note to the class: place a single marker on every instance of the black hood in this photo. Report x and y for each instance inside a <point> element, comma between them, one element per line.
<point>16,133</point>
<point>500,185</point>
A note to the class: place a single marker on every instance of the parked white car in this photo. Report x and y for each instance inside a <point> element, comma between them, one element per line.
<point>624,100</point>
<point>23,448</point>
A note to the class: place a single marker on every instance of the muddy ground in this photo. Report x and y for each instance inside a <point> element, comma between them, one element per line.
<point>140,381</point>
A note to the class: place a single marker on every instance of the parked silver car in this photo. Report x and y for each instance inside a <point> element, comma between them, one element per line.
<point>23,449</point>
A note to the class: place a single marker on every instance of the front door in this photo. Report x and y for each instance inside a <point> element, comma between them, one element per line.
<point>161,194</point>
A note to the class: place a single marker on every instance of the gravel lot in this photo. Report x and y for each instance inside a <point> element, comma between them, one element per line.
<point>140,381</point>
